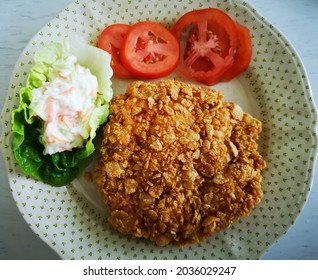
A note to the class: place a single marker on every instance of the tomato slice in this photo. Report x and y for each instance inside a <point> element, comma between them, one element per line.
<point>243,55</point>
<point>111,40</point>
<point>149,50</point>
<point>211,44</point>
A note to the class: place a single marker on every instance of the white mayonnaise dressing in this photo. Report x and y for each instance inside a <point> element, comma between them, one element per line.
<point>65,103</point>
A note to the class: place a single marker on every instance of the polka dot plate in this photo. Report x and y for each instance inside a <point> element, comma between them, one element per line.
<point>275,89</point>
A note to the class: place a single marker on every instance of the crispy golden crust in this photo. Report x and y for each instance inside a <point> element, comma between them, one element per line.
<point>177,163</point>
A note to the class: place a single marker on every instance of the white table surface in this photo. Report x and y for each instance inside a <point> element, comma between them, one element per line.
<point>19,22</point>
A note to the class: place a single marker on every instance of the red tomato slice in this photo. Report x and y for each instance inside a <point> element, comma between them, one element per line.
<point>243,55</point>
<point>149,50</point>
<point>211,44</point>
<point>111,40</point>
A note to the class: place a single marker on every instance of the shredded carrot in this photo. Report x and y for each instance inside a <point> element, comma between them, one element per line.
<point>87,113</point>
<point>68,91</point>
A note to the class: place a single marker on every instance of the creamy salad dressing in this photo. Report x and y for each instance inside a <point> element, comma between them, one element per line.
<point>65,103</point>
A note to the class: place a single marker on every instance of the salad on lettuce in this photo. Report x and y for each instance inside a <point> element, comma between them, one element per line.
<point>64,102</point>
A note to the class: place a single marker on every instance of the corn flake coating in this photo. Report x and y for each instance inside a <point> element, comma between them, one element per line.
<point>178,163</point>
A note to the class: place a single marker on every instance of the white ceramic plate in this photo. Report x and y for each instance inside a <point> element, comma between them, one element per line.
<point>275,89</point>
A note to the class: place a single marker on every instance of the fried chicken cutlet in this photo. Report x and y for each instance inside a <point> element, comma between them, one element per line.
<point>178,163</point>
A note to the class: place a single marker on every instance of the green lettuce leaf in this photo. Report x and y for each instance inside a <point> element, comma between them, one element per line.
<point>60,168</point>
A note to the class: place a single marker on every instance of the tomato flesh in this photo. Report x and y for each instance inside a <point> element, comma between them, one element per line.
<point>111,40</point>
<point>149,50</point>
<point>243,55</point>
<point>211,44</point>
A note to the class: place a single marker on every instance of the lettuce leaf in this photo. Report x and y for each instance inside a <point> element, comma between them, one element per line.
<point>60,168</point>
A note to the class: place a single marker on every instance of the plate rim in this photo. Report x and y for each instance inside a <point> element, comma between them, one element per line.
<point>308,95</point>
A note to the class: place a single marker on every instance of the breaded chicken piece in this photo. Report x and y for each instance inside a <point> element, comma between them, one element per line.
<point>178,163</point>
